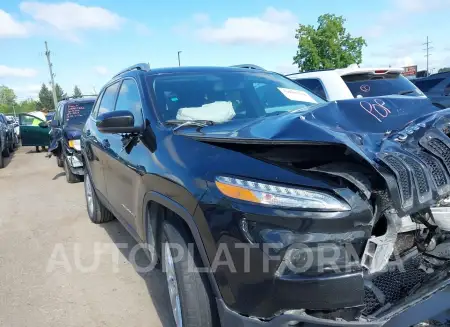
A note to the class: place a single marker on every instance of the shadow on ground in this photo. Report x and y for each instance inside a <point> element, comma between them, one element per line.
<point>61,174</point>
<point>155,279</point>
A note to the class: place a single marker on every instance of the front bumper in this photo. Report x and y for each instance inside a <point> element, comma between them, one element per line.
<point>428,305</point>
<point>75,162</point>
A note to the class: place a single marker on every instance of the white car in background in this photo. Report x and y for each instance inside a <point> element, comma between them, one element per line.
<point>355,82</point>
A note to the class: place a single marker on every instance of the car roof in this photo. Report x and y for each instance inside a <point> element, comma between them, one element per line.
<point>345,72</point>
<point>201,69</point>
<point>79,100</point>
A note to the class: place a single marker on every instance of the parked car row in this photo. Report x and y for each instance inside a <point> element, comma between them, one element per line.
<point>312,202</point>
<point>436,87</point>
<point>8,138</point>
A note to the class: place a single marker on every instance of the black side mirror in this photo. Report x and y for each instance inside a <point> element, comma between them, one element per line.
<point>117,122</point>
<point>54,123</point>
<point>43,124</point>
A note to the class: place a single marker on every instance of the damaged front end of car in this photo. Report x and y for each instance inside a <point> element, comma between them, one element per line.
<point>390,160</point>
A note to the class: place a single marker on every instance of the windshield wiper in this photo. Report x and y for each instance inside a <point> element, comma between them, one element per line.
<point>182,123</point>
<point>406,92</point>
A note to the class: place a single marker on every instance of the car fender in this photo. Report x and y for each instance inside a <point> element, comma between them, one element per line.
<point>190,221</point>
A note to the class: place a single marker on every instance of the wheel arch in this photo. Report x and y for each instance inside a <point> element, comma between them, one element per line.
<point>154,200</point>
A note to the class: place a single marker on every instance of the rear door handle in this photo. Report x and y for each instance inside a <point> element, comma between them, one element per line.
<point>106,144</point>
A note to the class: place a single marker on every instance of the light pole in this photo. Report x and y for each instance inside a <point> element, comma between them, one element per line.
<point>179,62</point>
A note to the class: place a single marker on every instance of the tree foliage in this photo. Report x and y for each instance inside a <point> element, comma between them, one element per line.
<point>60,94</point>
<point>444,70</point>
<point>7,96</point>
<point>45,98</point>
<point>77,92</point>
<point>328,46</point>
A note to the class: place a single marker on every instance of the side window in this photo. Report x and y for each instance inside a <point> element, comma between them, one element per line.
<point>108,100</point>
<point>97,105</point>
<point>58,113</point>
<point>129,99</point>
<point>314,85</point>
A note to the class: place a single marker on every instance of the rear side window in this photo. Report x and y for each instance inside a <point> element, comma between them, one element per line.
<point>314,85</point>
<point>427,84</point>
<point>130,99</point>
<point>109,99</point>
<point>370,85</point>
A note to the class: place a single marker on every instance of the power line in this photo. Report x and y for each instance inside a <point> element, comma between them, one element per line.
<point>427,49</point>
<point>52,81</point>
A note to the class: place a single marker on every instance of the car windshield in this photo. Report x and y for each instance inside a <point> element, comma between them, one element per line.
<point>77,113</point>
<point>223,96</point>
<point>370,85</point>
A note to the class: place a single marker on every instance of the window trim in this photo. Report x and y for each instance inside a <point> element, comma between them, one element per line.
<point>119,82</point>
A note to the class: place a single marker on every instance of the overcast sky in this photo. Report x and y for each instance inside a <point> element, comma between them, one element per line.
<point>92,39</point>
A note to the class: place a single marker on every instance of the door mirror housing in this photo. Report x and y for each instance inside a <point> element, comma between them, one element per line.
<point>117,122</point>
<point>54,123</point>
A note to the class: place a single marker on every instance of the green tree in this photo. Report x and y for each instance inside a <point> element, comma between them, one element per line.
<point>60,94</point>
<point>45,98</point>
<point>327,46</point>
<point>28,105</point>
<point>444,70</point>
<point>7,96</point>
<point>77,92</point>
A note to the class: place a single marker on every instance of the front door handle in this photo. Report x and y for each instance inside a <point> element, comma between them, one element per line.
<point>106,144</point>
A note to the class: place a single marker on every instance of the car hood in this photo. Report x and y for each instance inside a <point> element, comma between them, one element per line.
<point>381,131</point>
<point>357,123</point>
<point>73,132</point>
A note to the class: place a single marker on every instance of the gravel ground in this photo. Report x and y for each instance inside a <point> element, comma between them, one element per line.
<point>57,268</point>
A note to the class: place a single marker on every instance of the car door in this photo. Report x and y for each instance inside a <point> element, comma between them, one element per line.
<point>32,132</point>
<point>56,131</point>
<point>96,144</point>
<point>123,176</point>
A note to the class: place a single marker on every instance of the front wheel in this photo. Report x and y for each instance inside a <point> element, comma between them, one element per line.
<point>59,161</point>
<point>5,152</point>
<point>190,296</point>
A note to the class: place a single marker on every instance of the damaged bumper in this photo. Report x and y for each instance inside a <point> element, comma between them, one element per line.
<point>75,161</point>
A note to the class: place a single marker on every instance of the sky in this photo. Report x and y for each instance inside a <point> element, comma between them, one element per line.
<point>91,40</point>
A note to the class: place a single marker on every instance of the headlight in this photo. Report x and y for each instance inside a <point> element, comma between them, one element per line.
<point>76,144</point>
<point>276,195</point>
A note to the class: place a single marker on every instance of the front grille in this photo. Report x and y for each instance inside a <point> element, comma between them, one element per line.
<point>403,178</point>
<point>394,285</point>
<point>437,171</point>
<point>419,175</point>
<point>441,150</point>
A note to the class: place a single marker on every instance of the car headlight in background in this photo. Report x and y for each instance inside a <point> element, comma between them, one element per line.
<point>279,196</point>
<point>75,144</point>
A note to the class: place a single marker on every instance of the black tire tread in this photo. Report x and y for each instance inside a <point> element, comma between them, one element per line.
<point>70,177</point>
<point>198,307</point>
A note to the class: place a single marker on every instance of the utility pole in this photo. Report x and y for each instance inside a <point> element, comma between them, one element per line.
<point>179,62</point>
<point>52,81</point>
<point>427,49</point>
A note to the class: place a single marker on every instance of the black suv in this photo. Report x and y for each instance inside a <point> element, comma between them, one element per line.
<point>436,87</point>
<point>66,127</point>
<point>301,212</point>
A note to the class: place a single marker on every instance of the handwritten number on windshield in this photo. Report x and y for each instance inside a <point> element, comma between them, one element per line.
<point>376,109</point>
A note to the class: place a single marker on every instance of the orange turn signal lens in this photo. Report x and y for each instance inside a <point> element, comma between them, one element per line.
<point>237,192</point>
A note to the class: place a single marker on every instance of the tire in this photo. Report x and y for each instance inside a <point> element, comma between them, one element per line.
<point>70,177</point>
<point>2,162</point>
<point>195,300</point>
<point>5,152</point>
<point>59,161</point>
<point>97,212</point>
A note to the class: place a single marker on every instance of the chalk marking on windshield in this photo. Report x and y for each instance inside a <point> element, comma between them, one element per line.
<point>374,109</point>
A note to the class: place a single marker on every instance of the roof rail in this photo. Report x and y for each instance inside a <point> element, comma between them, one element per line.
<point>79,97</point>
<point>248,66</point>
<point>141,66</point>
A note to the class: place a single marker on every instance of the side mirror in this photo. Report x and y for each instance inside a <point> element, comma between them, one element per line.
<point>117,122</point>
<point>43,124</point>
<point>54,123</point>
